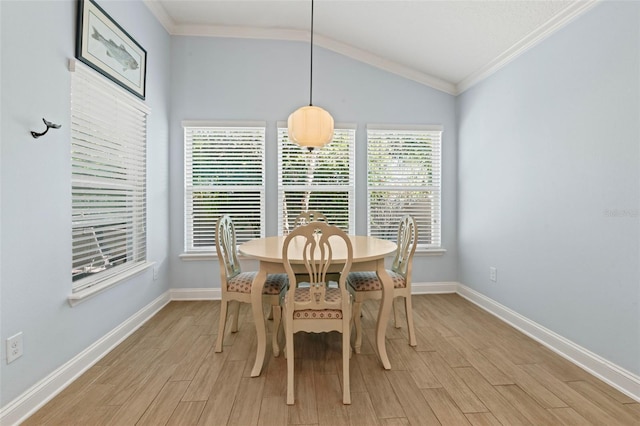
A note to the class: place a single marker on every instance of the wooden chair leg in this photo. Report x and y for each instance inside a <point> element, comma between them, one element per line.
<point>222,322</point>
<point>290,379</point>
<point>357,306</point>
<point>396,314</point>
<point>346,354</point>
<point>284,331</point>
<point>409,309</point>
<point>235,309</point>
<point>277,317</point>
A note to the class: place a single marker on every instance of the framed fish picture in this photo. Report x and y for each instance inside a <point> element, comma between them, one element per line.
<point>106,47</point>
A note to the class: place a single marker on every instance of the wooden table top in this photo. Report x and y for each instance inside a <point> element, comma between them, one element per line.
<point>365,248</point>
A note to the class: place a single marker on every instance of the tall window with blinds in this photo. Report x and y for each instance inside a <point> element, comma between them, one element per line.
<point>322,179</point>
<point>224,174</point>
<point>403,177</point>
<point>108,179</point>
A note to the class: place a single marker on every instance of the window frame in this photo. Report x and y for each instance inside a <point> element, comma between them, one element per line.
<point>108,181</point>
<point>434,243</point>
<point>189,248</point>
<point>350,131</point>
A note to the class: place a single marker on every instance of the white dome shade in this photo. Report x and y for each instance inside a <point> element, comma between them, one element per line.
<point>310,126</point>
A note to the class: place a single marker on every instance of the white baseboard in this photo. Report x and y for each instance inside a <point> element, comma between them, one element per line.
<point>434,287</point>
<point>195,294</point>
<point>214,293</point>
<point>29,402</point>
<point>617,377</point>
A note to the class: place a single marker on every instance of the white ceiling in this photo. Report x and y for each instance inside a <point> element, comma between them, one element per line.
<point>449,45</point>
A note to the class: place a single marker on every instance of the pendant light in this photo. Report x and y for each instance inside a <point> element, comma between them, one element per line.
<point>310,126</point>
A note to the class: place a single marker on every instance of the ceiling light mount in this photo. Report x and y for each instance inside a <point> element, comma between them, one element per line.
<point>310,126</point>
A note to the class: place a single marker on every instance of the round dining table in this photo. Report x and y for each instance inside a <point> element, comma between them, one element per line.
<point>368,255</point>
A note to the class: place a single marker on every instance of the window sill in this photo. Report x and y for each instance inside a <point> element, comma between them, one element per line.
<point>430,252</point>
<point>205,255</point>
<point>100,286</point>
<point>194,256</point>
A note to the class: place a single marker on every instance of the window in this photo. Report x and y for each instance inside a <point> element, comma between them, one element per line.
<point>322,179</point>
<point>224,174</point>
<point>108,178</point>
<point>403,177</point>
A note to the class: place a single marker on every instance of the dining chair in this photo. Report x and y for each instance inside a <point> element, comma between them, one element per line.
<point>303,218</point>
<point>317,308</point>
<point>236,285</point>
<point>367,285</point>
<point>309,216</point>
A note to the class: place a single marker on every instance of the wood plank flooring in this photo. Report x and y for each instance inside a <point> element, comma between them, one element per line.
<point>469,368</point>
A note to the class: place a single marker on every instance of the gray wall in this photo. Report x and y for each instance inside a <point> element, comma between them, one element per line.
<point>237,79</point>
<point>549,183</point>
<point>37,39</point>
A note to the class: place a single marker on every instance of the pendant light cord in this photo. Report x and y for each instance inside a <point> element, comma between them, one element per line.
<point>311,66</point>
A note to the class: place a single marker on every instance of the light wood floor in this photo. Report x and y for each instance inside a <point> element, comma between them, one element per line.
<point>468,368</point>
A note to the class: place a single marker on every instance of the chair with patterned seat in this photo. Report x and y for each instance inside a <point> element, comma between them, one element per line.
<point>316,307</point>
<point>236,285</point>
<point>304,218</point>
<point>367,286</point>
<point>309,216</point>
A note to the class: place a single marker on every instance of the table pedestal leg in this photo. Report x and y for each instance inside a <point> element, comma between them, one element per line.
<point>383,313</point>
<point>258,319</point>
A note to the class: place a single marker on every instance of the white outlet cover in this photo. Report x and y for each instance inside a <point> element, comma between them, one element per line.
<point>493,274</point>
<point>14,347</point>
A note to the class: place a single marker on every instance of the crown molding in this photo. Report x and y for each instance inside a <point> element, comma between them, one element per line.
<point>321,41</point>
<point>161,15</point>
<point>551,26</point>
<point>230,31</point>
<point>385,64</point>
<point>298,35</point>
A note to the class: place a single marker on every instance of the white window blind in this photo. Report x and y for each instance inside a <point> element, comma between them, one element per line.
<point>108,166</point>
<point>323,179</point>
<point>224,174</point>
<point>404,178</point>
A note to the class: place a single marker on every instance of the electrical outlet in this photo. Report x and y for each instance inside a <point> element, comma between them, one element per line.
<point>493,274</point>
<point>155,273</point>
<point>14,347</point>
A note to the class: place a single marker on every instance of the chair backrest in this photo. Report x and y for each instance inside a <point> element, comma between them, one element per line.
<point>309,216</point>
<point>313,245</point>
<point>407,242</point>
<point>226,248</point>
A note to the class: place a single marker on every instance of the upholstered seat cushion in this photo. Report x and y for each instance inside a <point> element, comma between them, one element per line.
<point>368,281</point>
<point>241,283</point>
<point>302,295</point>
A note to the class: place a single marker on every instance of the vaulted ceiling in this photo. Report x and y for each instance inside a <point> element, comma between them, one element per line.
<point>449,45</point>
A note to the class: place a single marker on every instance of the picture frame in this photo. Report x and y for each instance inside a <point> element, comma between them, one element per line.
<point>106,47</point>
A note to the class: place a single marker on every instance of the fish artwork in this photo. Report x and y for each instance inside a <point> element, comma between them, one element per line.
<point>119,53</point>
